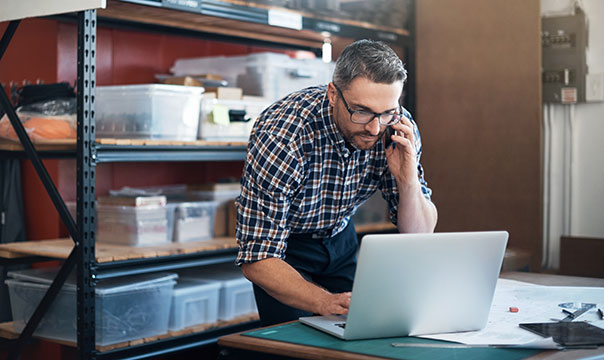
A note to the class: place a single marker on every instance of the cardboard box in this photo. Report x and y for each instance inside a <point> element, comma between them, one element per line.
<point>226,93</point>
<point>182,80</point>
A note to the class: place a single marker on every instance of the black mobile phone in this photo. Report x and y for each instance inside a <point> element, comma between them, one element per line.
<point>388,137</point>
<point>568,333</point>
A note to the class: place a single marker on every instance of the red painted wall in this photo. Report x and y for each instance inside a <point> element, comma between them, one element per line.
<point>32,57</point>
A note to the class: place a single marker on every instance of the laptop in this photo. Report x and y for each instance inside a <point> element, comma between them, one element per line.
<point>418,284</point>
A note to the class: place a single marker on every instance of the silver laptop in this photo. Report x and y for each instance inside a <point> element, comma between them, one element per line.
<point>417,284</point>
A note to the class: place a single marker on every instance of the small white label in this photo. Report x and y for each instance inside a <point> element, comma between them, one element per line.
<point>568,95</point>
<point>285,19</point>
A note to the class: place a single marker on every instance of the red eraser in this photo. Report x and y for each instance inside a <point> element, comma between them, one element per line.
<point>513,309</point>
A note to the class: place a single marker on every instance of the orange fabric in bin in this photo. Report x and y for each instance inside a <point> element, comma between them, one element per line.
<point>39,128</point>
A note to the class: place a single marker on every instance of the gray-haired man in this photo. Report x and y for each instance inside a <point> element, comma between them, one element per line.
<point>313,158</point>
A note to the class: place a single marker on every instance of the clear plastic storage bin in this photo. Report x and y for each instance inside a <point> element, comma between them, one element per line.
<point>269,75</point>
<point>132,225</point>
<point>192,221</point>
<point>236,292</point>
<point>194,302</point>
<point>273,77</point>
<point>221,194</point>
<point>233,131</point>
<point>153,111</point>
<point>127,308</point>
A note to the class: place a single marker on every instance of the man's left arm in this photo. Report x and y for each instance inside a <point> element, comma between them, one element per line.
<point>416,213</point>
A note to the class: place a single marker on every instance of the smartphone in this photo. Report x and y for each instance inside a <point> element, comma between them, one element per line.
<point>388,138</point>
<point>568,333</point>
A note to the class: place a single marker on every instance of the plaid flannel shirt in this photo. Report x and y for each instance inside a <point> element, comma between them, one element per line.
<point>300,177</point>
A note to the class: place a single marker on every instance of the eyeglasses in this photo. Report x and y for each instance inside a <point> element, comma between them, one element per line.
<point>364,117</point>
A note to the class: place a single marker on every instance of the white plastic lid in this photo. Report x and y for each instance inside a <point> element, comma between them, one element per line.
<point>46,276</point>
<point>187,285</point>
<point>143,88</point>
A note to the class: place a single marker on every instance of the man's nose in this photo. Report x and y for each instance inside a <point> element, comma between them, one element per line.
<point>373,127</point>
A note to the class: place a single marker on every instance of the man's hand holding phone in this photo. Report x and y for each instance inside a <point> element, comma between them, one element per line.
<point>402,155</point>
<point>388,137</point>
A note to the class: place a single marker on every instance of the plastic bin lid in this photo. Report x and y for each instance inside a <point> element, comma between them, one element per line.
<point>128,283</point>
<point>195,204</point>
<point>128,89</point>
<point>46,276</point>
<point>187,285</point>
<point>230,277</point>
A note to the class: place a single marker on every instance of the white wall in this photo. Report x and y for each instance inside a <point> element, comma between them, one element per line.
<point>587,167</point>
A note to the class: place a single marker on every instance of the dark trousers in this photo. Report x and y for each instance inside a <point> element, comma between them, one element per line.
<point>328,262</point>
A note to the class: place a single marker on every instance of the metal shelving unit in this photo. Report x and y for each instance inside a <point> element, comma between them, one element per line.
<point>125,153</point>
<point>88,154</point>
<point>162,263</point>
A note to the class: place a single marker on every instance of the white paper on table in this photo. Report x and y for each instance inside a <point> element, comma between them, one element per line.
<point>536,303</point>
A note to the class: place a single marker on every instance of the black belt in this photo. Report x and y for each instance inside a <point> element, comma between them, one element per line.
<point>321,234</point>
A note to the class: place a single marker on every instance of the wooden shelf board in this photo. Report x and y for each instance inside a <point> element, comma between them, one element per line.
<point>61,248</point>
<point>41,145</point>
<point>7,331</point>
<point>70,144</point>
<point>105,253</point>
<point>209,24</point>
<point>151,15</point>
<point>155,142</point>
<point>350,22</point>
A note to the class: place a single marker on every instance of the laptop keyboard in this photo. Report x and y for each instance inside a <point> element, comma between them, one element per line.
<point>342,325</point>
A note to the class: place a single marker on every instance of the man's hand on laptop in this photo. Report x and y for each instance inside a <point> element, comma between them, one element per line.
<point>335,304</point>
<point>287,285</point>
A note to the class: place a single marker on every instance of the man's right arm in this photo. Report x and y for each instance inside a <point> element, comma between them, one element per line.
<point>285,284</point>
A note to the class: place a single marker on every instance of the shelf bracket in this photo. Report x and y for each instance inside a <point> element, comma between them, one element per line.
<point>85,175</point>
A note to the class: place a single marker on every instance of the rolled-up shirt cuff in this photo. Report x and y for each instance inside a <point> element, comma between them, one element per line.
<point>252,251</point>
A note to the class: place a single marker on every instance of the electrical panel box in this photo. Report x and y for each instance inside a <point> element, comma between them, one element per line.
<point>564,65</point>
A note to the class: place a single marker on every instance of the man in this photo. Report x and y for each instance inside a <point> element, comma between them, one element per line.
<point>313,158</point>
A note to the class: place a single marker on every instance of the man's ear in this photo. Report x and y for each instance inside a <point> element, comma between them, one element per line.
<point>332,94</point>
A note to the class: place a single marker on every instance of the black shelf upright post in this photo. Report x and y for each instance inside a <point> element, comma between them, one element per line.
<point>86,161</point>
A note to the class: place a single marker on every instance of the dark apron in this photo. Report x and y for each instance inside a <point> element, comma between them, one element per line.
<point>328,262</point>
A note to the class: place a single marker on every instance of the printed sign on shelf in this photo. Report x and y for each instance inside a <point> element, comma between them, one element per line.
<point>286,19</point>
<point>568,95</point>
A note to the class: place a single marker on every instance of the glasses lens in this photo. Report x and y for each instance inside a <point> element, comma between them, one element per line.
<point>361,117</point>
<point>389,119</point>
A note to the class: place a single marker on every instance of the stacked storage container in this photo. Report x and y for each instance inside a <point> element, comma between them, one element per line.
<point>221,194</point>
<point>236,296</point>
<point>140,224</point>
<point>150,111</point>
<point>191,220</point>
<point>127,308</point>
<point>211,130</point>
<point>194,302</point>
<point>268,75</point>
<point>132,225</point>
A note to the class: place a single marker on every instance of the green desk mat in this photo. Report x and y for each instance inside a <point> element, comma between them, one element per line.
<point>299,333</point>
